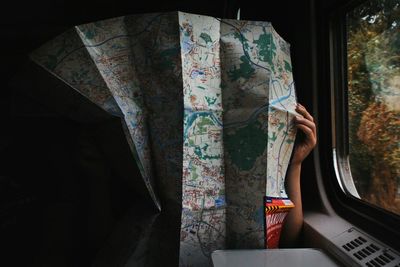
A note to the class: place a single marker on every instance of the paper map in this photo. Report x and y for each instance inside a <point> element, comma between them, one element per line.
<point>207,105</point>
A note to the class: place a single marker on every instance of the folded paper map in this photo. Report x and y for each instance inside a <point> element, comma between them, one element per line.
<point>207,106</point>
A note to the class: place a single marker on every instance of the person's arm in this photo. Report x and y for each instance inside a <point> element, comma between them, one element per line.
<point>294,220</point>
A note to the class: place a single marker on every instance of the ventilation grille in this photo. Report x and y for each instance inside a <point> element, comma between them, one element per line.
<point>365,250</point>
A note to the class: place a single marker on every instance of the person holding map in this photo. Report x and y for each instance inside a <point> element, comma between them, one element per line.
<point>294,220</point>
<point>208,111</point>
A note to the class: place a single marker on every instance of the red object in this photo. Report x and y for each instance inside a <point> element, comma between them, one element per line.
<point>276,210</point>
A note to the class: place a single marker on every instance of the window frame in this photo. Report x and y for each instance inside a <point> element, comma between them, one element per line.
<point>377,221</point>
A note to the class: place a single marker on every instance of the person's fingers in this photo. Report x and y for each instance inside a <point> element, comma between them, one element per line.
<point>309,133</point>
<point>303,111</point>
<point>309,123</point>
<point>306,122</point>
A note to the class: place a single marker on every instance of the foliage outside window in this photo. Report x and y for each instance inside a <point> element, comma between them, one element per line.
<point>373,58</point>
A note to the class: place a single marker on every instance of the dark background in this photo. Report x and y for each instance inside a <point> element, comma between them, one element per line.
<point>62,191</point>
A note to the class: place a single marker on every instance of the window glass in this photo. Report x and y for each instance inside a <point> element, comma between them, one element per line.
<point>373,63</point>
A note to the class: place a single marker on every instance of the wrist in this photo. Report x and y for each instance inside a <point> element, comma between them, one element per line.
<point>295,164</point>
<point>293,174</point>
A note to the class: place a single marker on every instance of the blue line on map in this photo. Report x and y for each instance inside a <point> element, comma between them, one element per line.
<point>112,38</point>
<point>279,99</point>
<point>254,115</point>
<point>262,108</point>
<point>241,41</point>
<point>194,115</point>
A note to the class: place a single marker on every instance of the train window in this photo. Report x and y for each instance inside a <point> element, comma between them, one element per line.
<point>373,102</point>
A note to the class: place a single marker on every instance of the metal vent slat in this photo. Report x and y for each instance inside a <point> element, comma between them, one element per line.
<point>365,250</point>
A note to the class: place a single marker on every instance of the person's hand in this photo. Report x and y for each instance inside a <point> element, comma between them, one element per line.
<point>305,145</point>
